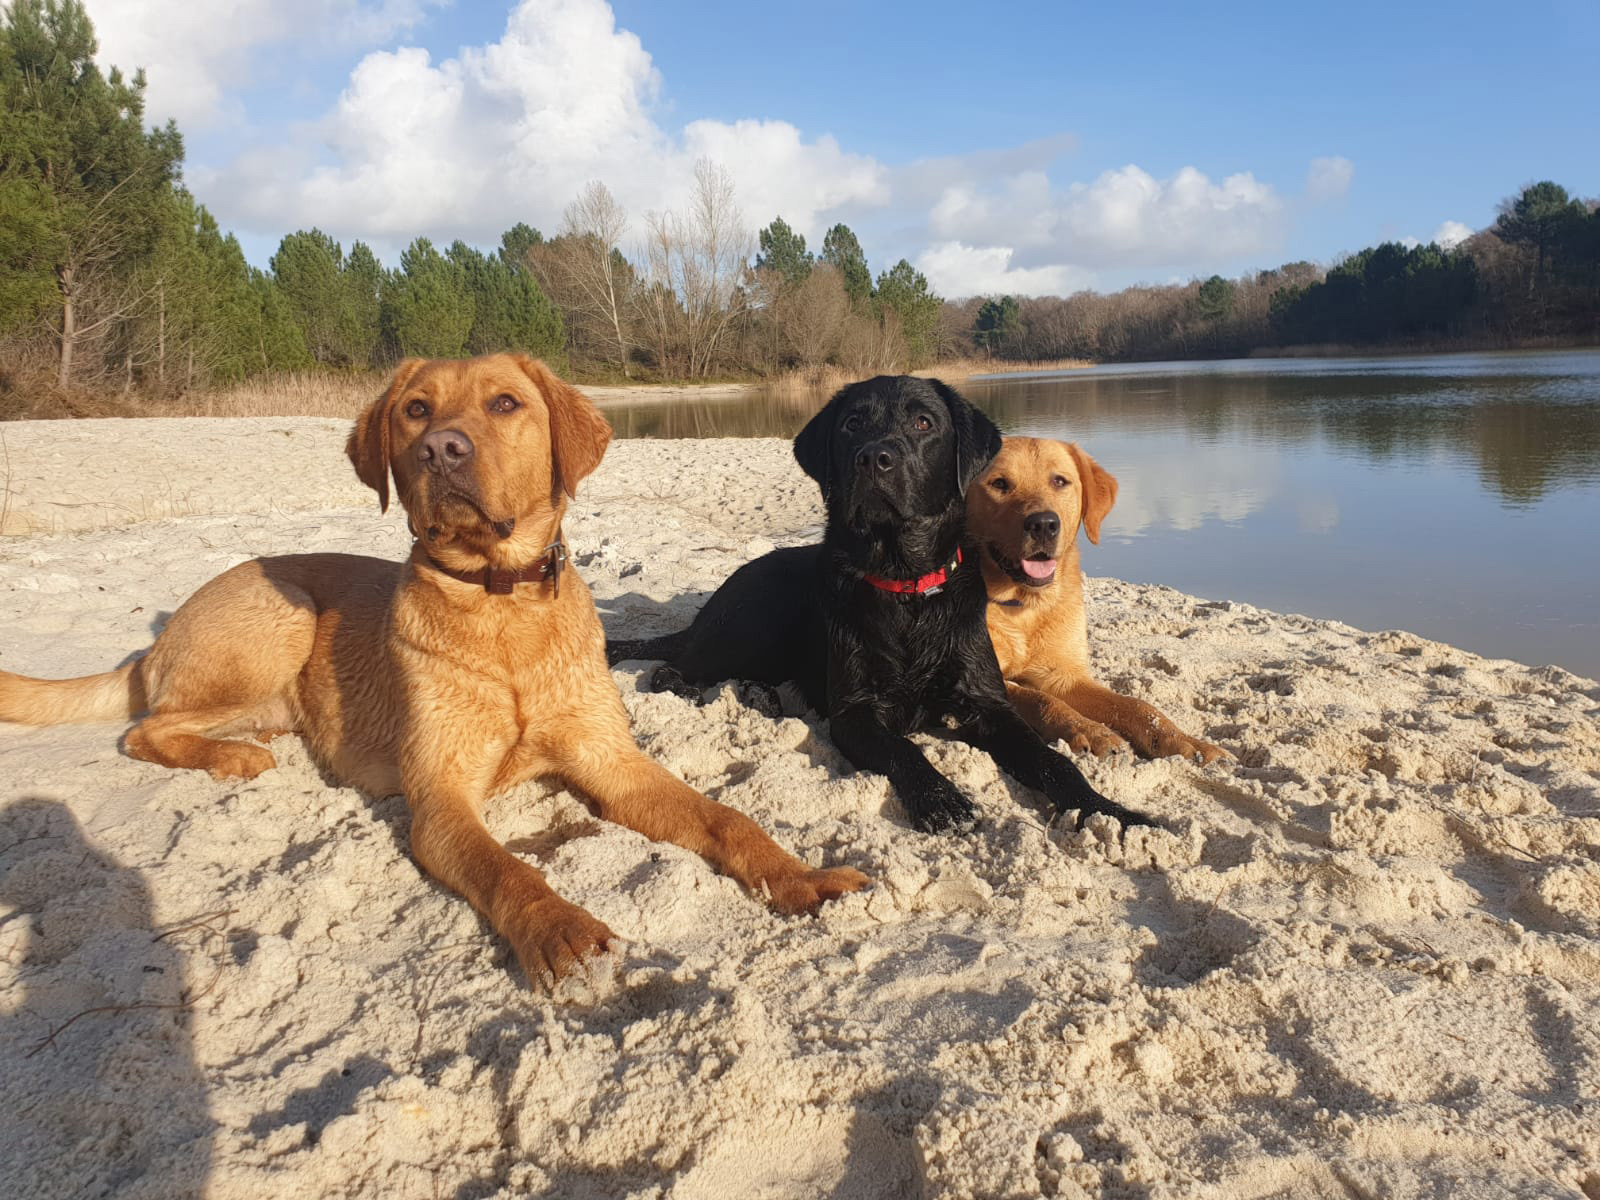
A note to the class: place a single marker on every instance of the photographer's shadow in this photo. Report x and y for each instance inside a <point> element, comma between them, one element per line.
<point>99,1090</point>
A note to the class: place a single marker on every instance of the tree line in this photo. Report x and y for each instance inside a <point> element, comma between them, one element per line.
<point>1534,275</point>
<point>113,277</point>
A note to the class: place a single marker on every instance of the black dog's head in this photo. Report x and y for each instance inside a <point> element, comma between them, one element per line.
<point>895,448</point>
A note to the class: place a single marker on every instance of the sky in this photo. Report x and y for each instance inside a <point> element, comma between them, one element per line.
<point>1029,148</point>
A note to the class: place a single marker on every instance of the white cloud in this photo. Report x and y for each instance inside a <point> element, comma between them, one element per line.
<point>196,51</point>
<point>1328,179</point>
<point>512,130</point>
<point>1125,218</point>
<point>1451,233</point>
<point>956,270</point>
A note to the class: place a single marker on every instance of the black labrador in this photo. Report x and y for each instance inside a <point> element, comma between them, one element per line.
<point>882,625</point>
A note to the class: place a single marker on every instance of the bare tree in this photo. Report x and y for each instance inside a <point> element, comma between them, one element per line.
<point>811,315</point>
<point>700,260</point>
<point>587,276</point>
<point>871,343</point>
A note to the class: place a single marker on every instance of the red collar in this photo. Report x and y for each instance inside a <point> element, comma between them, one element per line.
<point>927,585</point>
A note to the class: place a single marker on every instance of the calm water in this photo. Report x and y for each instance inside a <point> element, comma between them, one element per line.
<point>1457,496</point>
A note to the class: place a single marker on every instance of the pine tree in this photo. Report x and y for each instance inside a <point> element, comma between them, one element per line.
<point>784,251</point>
<point>309,268</point>
<point>427,307</point>
<point>905,290</point>
<point>842,251</point>
<point>517,241</point>
<point>509,311</point>
<point>82,175</point>
<point>997,322</point>
<point>362,280</point>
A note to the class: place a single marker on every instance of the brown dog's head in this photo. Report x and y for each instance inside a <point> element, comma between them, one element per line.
<point>1026,507</point>
<point>484,451</point>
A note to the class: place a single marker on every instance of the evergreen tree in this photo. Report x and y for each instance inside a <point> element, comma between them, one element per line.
<point>82,176</point>
<point>308,267</point>
<point>1214,301</point>
<point>362,280</point>
<point>509,311</point>
<point>516,242</point>
<point>1542,215</point>
<point>27,287</point>
<point>996,323</point>
<point>905,290</point>
<point>784,252</point>
<point>426,306</point>
<point>843,252</point>
<point>279,345</point>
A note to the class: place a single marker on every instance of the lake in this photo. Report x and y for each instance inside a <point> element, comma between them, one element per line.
<point>1456,496</point>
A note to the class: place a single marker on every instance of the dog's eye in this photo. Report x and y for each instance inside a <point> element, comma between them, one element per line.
<point>852,423</point>
<point>504,403</point>
<point>1058,481</point>
<point>1000,484</point>
<point>417,409</point>
<point>924,423</point>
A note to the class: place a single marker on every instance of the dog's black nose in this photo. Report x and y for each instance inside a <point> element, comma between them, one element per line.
<point>878,455</point>
<point>444,449</point>
<point>1042,525</point>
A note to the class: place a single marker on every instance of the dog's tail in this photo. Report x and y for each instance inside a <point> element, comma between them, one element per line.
<point>667,646</point>
<point>113,696</point>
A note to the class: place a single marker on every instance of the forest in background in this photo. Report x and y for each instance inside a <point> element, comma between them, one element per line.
<point>116,282</point>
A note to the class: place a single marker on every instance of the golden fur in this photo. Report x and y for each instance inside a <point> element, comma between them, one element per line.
<point>1040,634</point>
<point>403,678</point>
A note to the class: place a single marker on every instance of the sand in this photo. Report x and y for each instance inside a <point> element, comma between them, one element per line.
<point>1362,962</point>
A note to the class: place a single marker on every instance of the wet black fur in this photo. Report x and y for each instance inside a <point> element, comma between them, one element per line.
<point>877,664</point>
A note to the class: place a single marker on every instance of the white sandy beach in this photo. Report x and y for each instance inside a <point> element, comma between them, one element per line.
<point>1363,962</point>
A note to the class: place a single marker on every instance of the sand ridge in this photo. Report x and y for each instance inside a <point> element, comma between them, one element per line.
<point>1362,961</point>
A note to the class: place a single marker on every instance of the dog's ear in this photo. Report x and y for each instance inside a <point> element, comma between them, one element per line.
<point>813,445</point>
<point>368,444</point>
<point>1099,491</point>
<point>579,435</point>
<point>977,437</point>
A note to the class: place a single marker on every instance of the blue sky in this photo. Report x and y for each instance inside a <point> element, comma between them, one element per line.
<point>1021,147</point>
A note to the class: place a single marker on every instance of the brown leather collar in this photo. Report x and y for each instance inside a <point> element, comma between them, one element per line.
<point>498,581</point>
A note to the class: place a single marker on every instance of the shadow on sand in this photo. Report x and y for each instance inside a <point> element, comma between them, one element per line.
<point>100,1094</point>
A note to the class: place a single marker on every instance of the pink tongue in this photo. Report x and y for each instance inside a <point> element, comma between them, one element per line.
<point>1039,568</point>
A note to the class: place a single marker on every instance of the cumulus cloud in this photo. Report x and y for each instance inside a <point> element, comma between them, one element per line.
<point>512,130</point>
<point>1022,233</point>
<point>955,269</point>
<point>1125,217</point>
<point>1451,233</point>
<point>1328,179</point>
<point>195,51</point>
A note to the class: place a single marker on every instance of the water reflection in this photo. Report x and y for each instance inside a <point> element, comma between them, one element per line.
<point>1453,495</point>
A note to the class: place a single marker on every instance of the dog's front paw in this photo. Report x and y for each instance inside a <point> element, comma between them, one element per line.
<point>1097,805</point>
<point>807,891</point>
<point>238,760</point>
<point>1091,737</point>
<point>762,697</point>
<point>940,807</point>
<point>1181,745</point>
<point>667,678</point>
<point>558,937</point>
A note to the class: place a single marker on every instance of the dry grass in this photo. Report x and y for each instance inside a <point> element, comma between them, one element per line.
<point>290,394</point>
<point>830,377</point>
<point>961,368</point>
